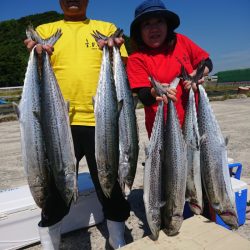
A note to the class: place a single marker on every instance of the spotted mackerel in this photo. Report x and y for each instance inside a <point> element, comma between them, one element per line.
<point>192,138</point>
<point>175,169</point>
<point>56,127</point>
<point>106,130</point>
<point>128,131</point>
<point>152,182</point>
<point>214,163</point>
<point>32,140</point>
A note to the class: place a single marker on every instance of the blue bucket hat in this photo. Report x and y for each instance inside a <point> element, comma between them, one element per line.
<point>151,8</point>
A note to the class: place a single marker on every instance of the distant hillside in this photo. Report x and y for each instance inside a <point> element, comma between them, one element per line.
<point>238,75</point>
<point>13,53</point>
<point>14,56</point>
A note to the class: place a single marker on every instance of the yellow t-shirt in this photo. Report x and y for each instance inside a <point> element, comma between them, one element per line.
<point>76,61</point>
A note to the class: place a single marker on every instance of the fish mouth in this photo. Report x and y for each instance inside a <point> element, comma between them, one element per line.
<point>154,236</point>
<point>196,209</point>
<point>172,225</point>
<point>230,219</point>
<point>228,213</point>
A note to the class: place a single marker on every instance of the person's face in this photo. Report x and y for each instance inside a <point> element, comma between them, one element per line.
<point>154,31</point>
<point>74,9</point>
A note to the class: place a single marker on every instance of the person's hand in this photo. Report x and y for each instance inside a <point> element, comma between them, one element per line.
<point>118,41</point>
<point>30,44</point>
<point>170,93</point>
<point>190,83</point>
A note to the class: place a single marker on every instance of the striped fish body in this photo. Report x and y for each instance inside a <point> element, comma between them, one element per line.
<point>175,168</point>
<point>57,134</point>
<point>56,127</point>
<point>106,130</point>
<point>214,165</point>
<point>192,139</point>
<point>32,141</point>
<point>152,174</point>
<point>128,131</point>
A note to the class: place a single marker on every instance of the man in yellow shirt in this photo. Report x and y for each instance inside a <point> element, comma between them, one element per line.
<point>76,61</point>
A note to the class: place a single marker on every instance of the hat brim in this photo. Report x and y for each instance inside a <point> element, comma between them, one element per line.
<point>172,19</point>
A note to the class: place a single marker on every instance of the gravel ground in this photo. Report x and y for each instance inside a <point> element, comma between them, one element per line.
<point>234,119</point>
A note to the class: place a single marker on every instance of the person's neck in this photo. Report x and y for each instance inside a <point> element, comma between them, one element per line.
<point>75,18</point>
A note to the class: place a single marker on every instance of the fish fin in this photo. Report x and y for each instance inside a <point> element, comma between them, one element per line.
<point>120,105</point>
<point>122,185</point>
<point>67,103</point>
<point>174,83</point>
<point>37,115</point>
<point>31,33</point>
<point>16,109</point>
<point>198,75</point>
<point>95,36</point>
<point>93,101</point>
<point>227,140</point>
<point>203,138</point>
<point>101,36</point>
<point>162,204</point>
<point>76,191</point>
<point>135,99</point>
<point>47,164</point>
<point>199,71</point>
<point>118,33</point>
<point>162,155</point>
<point>146,149</point>
<point>73,111</point>
<point>127,190</point>
<point>159,89</point>
<point>53,39</point>
<point>184,74</point>
<point>28,31</point>
<point>98,36</point>
<point>193,146</point>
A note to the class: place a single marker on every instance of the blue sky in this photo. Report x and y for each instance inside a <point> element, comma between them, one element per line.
<point>221,27</point>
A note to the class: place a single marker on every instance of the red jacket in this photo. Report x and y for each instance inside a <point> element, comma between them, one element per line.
<point>164,67</point>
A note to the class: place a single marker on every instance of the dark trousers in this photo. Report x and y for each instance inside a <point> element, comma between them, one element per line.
<point>115,208</point>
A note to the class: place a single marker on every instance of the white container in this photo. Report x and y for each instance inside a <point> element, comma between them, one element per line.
<point>19,215</point>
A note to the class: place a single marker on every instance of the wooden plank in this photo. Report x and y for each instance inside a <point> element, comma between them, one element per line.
<point>196,233</point>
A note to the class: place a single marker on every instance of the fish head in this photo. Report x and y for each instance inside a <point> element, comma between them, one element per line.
<point>230,218</point>
<point>172,225</point>
<point>155,234</point>
<point>154,222</point>
<point>195,208</point>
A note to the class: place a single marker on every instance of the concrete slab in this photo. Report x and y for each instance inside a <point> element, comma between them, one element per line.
<point>196,233</point>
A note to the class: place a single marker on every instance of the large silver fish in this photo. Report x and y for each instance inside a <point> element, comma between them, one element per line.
<point>128,131</point>
<point>192,139</point>
<point>152,182</point>
<point>56,128</point>
<point>175,168</point>
<point>32,141</point>
<point>106,129</point>
<point>214,163</point>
